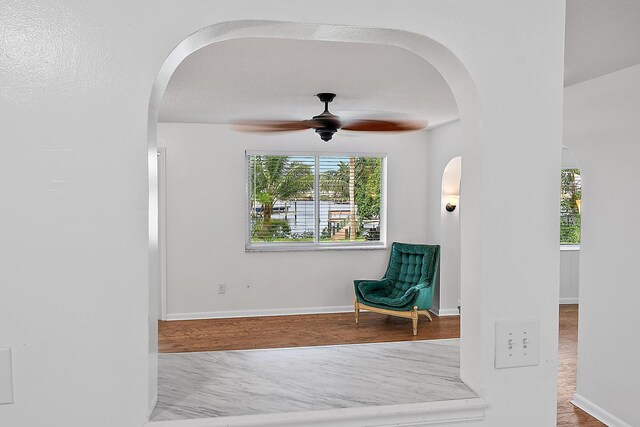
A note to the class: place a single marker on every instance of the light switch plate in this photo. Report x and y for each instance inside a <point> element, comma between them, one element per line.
<point>517,343</point>
<point>6,376</point>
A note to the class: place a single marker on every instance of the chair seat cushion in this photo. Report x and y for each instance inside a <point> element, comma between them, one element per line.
<point>382,292</point>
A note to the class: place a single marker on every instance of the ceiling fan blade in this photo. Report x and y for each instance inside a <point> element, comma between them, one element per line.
<point>272,125</point>
<point>383,125</point>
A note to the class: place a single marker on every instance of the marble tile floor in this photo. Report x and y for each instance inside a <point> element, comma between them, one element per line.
<point>246,382</point>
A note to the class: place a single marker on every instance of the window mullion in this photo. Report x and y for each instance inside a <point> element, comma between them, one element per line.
<point>317,200</point>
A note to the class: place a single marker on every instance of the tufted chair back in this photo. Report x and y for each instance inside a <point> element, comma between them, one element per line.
<point>410,264</point>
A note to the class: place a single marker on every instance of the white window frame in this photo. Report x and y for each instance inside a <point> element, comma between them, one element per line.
<point>316,245</point>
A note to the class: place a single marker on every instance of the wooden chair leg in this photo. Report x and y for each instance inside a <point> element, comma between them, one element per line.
<point>428,316</point>
<point>356,306</point>
<point>414,319</point>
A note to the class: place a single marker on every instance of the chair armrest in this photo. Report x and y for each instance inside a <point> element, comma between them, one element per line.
<point>370,285</point>
<point>419,293</point>
<point>421,285</point>
<point>415,288</point>
<point>423,297</point>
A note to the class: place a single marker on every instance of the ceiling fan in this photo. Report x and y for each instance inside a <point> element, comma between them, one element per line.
<point>326,124</point>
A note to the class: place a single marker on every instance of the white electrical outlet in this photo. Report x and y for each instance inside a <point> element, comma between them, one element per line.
<point>6,376</point>
<point>222,288</point>
<point>517,343</point>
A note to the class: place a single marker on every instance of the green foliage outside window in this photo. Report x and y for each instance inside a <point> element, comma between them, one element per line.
<point>277,179</point>
<point>571,195</point>
<point>367,185</point>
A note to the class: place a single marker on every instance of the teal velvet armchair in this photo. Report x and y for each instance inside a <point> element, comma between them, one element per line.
<point>406,289</point>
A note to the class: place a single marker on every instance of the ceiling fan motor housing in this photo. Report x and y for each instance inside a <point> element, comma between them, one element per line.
<point>329,123</point>
<point>326,96</point>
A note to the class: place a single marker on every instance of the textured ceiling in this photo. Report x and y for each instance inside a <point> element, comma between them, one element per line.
<point>602,36</point>
<point>277,79</point>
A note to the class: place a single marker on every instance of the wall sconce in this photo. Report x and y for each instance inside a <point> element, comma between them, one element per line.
<point>579,204</point>
<point>453,202</point>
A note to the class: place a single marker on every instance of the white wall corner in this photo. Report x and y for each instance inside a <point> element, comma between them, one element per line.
<point>152,406</point>
<point>597,412</point>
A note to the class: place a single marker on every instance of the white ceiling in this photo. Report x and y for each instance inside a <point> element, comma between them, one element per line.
<point>277,79</point>
<point>602,36</point>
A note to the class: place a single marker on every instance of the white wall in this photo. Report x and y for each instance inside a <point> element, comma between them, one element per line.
<point>445,143</point>
<point>450,224</point>
<point>206,221</point>
<point>603,132</point>
<point>73,245</point>
<point>77,77</point>
<point>569,275</point>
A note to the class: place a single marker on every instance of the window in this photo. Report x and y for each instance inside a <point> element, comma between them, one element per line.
<point>570,203</point>
<point>312,201</point>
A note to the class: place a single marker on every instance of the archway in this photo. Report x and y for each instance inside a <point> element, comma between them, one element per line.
<point>452,70</point>
<point>449,284</point>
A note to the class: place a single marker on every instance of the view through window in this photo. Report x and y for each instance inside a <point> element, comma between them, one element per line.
<point>315,200</point>
<point>570,207</point>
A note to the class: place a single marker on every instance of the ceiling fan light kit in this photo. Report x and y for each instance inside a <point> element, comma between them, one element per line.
<point>327,124</point>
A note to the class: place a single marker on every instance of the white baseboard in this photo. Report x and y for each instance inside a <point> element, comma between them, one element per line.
<point>442,312</point>
<point>572,300</point>
<point>441,413</point>
<point>259,313</point>
<point>597,412</point>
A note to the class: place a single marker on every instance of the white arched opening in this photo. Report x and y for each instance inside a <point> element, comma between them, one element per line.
<point>452,70</point>
<point>449,283</point>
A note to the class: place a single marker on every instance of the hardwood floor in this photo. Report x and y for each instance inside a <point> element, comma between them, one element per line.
<point>569,415</point>
<point>339,328</point>
<point>297,331</point>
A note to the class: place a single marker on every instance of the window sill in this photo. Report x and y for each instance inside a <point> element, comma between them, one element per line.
<point>569,247</point>
<point>301,247</point>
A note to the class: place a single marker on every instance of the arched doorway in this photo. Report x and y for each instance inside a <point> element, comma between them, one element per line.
<point>449,284</point>
<point>436,54</point>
